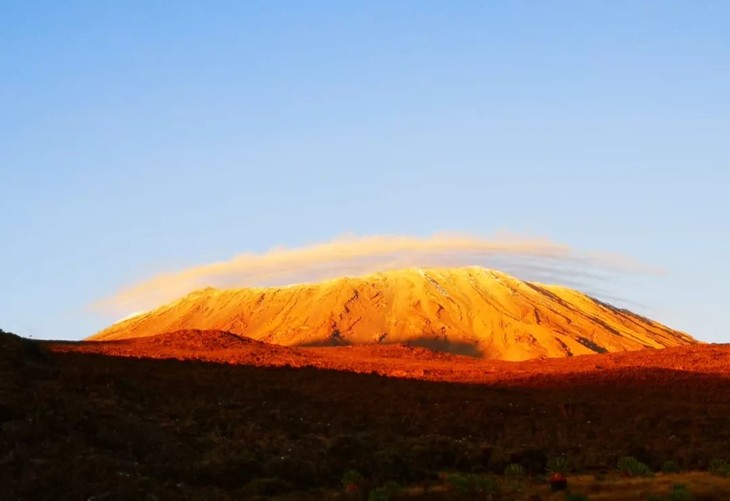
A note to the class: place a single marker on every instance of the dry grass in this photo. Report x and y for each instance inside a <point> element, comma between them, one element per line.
<point>702,485</point>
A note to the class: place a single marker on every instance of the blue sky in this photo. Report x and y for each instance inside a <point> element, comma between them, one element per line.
<point>145,137</point>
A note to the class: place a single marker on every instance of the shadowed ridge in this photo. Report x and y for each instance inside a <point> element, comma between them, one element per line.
<point>193,339</point>
<point>20,360</point>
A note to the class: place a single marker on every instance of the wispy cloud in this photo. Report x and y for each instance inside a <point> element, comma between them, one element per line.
<point>530,258</point>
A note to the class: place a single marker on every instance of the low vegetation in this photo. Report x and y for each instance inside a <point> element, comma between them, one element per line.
<point>574,496</point>
<point>680,492</point>
<point>670,467</point>
<point>473,486</point>
<point>516,483</point>
<point>90,424</point>
<point>514,471</point>
<point>629,466</point>
<point>352,480</point>
<point>384,492</point>
<point>557,464</point>
<point>719,467</point>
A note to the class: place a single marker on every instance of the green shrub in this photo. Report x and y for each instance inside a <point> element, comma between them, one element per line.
<point>268,487</point>
<point>515,478</point>
<point>557,464</point>
<point>472,485</point>
<point>679,492</point>
<point>352,477</point>
<point>514,471</point>
<point>384,492</point>
<point>629,465</point>
<point>574,496</point>
<point>719,467</point>
<point>379,494</point>
<point>670,467</point>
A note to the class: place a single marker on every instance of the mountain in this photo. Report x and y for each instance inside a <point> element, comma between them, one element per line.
<point>470,311</point>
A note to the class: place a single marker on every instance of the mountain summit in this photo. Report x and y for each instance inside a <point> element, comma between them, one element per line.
<point>470,311</point>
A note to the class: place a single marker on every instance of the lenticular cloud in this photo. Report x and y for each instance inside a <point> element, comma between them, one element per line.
<point>529,258</point>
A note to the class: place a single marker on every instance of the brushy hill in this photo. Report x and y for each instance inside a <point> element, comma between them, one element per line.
<point>94,426</point>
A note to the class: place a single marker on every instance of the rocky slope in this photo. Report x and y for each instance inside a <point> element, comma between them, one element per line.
<point>470,311</point>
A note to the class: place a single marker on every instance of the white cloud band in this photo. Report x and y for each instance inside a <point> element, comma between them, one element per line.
<point>530,258</point>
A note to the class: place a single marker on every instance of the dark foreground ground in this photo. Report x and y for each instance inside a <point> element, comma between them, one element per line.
<point>91,426</point>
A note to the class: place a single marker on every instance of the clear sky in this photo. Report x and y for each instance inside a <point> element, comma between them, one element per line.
<point>145,137</point>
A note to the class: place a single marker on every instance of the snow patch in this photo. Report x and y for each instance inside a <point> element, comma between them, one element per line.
<point>131,316</point>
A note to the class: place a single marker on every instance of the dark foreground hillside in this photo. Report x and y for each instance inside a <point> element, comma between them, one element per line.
<point>90,426</point>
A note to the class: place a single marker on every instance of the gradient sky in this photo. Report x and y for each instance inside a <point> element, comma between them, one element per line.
<point>145,137</point>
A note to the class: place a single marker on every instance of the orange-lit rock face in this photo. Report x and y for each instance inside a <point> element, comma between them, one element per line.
<point>467,310</point>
